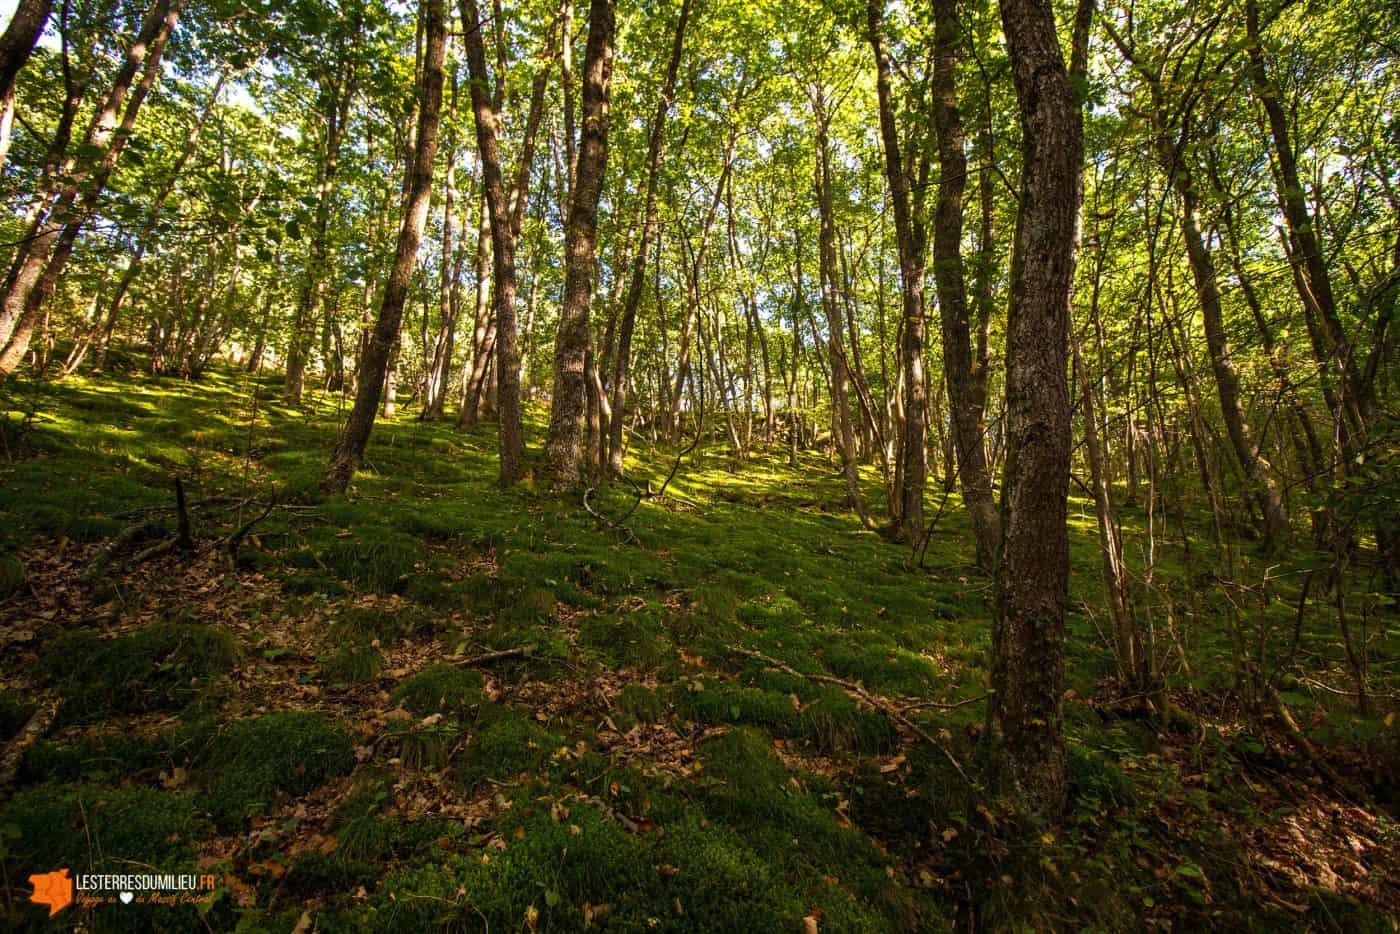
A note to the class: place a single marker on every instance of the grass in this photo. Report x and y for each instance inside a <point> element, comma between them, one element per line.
<point>306,711</point>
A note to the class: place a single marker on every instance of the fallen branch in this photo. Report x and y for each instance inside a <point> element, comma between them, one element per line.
<point>129,535</point>
<point>156,550</point>
<point>939,705</point>
<point>236,539</point>
<point>628,535</point>
<point>889,709</point>
<point>37,725</point>
<point>523,651</point>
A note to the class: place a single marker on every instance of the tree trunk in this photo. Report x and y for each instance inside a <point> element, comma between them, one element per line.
<point>840,376</point>
<point>563,453</point>
<point>909,238</point>
<point>622,357</point>
<point>57,232</point>
<point>1033,571</point>
<point>375,360</point>
<point>506,213</point>
<point>964,402</point>
<point>16,45</point>
<point>313,284</point>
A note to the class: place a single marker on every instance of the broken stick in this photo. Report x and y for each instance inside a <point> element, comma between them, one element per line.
<point>874,700</point>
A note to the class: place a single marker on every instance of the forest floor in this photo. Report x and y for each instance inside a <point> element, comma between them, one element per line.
<point>300,723</point>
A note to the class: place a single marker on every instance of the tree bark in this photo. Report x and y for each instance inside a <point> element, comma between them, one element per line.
<point>910,239</point>
<point>622,358</point>
<point>375,360</point>
<point>563,446</point>
<point>826,252</point>
<point>1033,572</point>
<point>56,233</point>
<point>506,213</point>
<point>16,45</point>
<point>964,400</point>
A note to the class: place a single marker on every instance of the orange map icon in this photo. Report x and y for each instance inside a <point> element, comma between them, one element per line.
<point>54,889</point>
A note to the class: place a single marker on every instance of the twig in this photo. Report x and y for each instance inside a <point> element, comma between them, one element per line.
<point>628,535</point>
<point>520,651</point>
<point>37,725</point>
<point>127,536</point>
<point>236,539</point>
<point>922,705</point>
<point>156,550</point>
<point>879,703</point>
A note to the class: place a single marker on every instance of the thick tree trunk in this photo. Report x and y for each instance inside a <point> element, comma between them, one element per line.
<point>375,360</point>
<point>563,446</point>
<point>1033,571</point>
<point>964,400</point>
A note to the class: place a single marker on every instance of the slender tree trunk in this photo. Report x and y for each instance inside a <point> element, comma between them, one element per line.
<point>964,403</point>
<point>563,452</point>
<point>313,285</point>
<point>375,360</point>
<point>1033,571</point>
<point>840,376</point>
<point>622,357</point>
<point>506,212</point>
<point>909,238</point>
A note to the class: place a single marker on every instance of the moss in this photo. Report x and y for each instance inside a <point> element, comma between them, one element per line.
<point>629,637</point>
<point>835,723</point>
<point>510,746</point>
<point>352,664</point>
<point>12,575</point>
<point>641,703</point>
<point>554,867</point>
<point>308,584</point>
<point>445,689</point>
<point>255,760</point>
<point>724,885</point>
<point>713,701</point>
<point>162,667</point>
<point>434,591</point>
<point>376,559</point>
<point>1096,782</point>
<point>423,745</point>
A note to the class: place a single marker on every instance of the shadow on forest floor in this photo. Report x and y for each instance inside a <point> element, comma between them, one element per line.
<point>301,725</point>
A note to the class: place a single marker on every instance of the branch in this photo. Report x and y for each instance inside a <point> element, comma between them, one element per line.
<point>895,713</point>
<point>523,651</point>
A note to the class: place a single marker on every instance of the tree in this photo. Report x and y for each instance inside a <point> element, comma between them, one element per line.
<point>1032,578</point>
<point>374,362</point>
<point>563,448</point>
